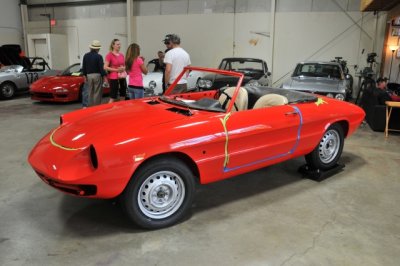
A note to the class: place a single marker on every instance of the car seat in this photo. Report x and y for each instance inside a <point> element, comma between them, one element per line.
<point>240,102</point>
<point>269,100</point>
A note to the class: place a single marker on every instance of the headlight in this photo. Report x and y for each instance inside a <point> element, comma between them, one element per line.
<point>61,90</point>
<point>152,85</point>
<point>253,82</point>
<point>204,83</point>
<point>339,97</point>
<point>330,95</point>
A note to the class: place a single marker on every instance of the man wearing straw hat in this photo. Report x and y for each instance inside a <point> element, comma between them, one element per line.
<point>94,73</point>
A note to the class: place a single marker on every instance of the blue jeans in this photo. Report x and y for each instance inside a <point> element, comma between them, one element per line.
<point>85,95</point>
<point>135,92</point>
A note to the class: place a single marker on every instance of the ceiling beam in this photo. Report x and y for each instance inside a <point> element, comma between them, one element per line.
<point>34,4</point>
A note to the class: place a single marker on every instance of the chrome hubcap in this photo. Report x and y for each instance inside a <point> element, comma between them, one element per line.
<point>329,146</point>
<point>161,195</point>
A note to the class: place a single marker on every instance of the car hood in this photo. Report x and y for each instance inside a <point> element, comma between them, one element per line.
<point>57,81</point>
<point>313,84</point>
<point>114,123</point>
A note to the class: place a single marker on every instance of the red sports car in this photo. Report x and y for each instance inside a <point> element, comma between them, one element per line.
<point>150,152</point>
<point>66,87</point>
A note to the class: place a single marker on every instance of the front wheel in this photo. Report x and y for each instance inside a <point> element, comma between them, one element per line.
<point>7,90</point>
<point>329,149</point>
<point>159,194</point>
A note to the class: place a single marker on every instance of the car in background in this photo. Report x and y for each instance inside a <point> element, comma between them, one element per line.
<point>17,78</point>
<point>349,78</point>
<point>66,87</point>
<point>255,73</point>
<point>324,78</point>
<point>151,152</point>
<point>152,82</point>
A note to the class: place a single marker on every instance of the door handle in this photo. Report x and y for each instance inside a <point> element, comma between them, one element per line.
<point>291,113</point>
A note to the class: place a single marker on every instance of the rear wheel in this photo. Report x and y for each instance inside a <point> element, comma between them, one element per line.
<point>329,149</point>
<point>7,90</point>
<point>159,194</point>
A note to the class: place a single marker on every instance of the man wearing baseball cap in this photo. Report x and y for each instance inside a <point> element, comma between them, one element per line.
<point>175,61</point>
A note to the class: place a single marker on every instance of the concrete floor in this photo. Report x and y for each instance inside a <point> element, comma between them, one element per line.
<point>269,217</point>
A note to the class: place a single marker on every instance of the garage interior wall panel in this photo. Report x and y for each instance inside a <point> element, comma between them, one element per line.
<point>206,47</point>
<point>322,36</point>
<point>211,30</point>
<point>49,46</point>
<point>252,38</point>
<point>81,32</point>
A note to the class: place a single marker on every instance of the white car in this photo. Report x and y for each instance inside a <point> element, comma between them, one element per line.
<point>152,82</point>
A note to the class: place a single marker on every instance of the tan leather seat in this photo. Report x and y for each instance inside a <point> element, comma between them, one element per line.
<point>269,100</point>
<point>241,99</point>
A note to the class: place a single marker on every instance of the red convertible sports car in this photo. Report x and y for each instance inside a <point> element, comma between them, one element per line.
<point>66,87</point>
<point>150,152</point>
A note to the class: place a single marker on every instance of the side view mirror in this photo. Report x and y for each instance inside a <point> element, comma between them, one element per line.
<point>268,74</point>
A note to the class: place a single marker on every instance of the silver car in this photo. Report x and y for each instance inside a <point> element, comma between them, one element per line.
<point>15,78</point>
<point>325,78</point>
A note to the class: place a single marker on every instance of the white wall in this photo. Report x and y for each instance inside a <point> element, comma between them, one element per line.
<point>322,36</point>
<point>10,23</point>
<point>81,32</point>
<point>209,37</point>
<point>299,36</point>
<point>206,47</point>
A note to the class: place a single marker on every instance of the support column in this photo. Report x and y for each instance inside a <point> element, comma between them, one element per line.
<point>24,19</point>
<point>130,21</point>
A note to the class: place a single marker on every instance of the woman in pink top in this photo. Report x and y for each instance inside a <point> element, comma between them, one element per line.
<point>115,65</point>
<point>135,67</point>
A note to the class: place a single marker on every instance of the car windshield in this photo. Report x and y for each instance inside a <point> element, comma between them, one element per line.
<point>318,70</point>
<point>74,69</point>
<point>202,93</point>
<point>242,65</point>
<point>154,66</point>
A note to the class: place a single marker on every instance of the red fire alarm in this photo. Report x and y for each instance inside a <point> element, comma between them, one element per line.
<point>52,22</point>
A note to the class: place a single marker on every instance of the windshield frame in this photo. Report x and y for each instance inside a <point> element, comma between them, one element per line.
<point>168,96</point>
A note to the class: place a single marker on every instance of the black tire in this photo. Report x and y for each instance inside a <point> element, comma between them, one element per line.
<point>159,194</point>
<point>328,150</point>
<point>7,90</point>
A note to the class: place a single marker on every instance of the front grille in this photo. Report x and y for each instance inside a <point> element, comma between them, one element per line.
<point>77,190</point>
<point>42,95</point>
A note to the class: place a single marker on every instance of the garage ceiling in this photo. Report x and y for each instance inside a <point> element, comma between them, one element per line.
<point>377,5</point>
